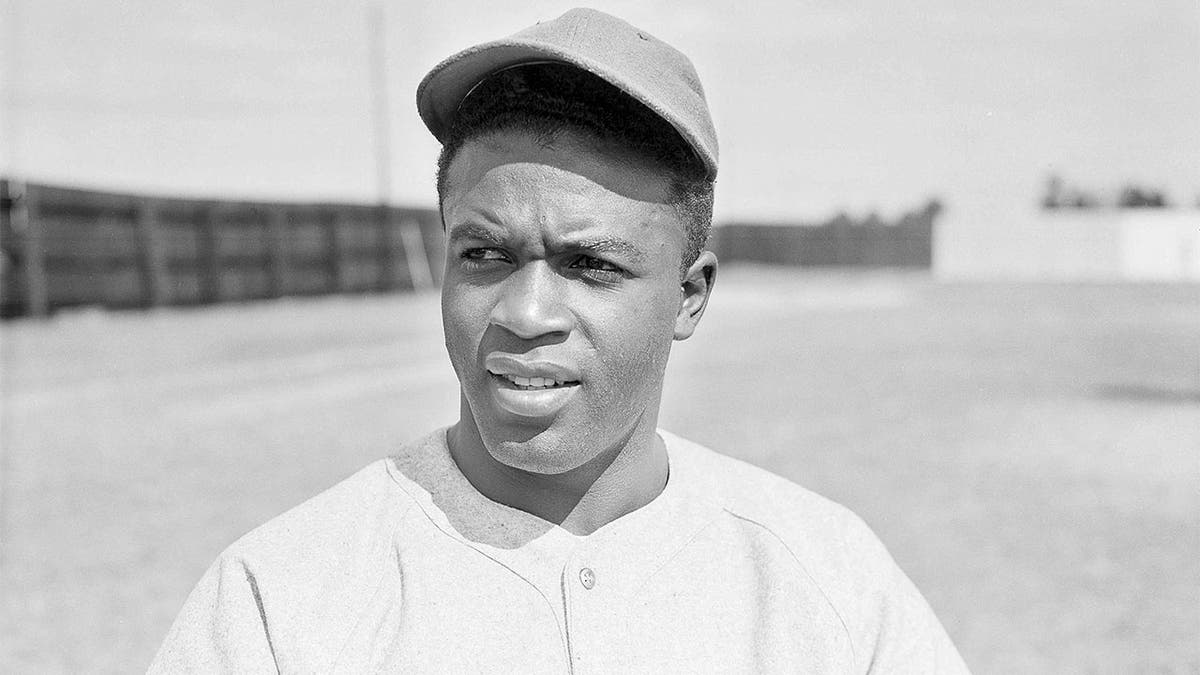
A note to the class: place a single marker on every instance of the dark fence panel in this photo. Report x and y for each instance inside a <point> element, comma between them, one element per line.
<point>908,242</point>
<point>64,247</point>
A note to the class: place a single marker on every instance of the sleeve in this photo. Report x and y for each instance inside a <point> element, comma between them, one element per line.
<point>907,636</point>
<point>910,638</point>
<point>222,627</point>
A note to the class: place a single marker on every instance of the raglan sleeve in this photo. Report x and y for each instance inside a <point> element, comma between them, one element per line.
<point>903,634</point>
<point>221,628</point>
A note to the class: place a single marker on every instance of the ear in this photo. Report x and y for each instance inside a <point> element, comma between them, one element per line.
<point>694,289</point>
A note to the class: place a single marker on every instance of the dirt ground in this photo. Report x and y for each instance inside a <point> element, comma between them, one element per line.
<point>1029,453</point>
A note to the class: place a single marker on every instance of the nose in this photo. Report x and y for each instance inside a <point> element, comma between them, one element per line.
<point>531,303</point>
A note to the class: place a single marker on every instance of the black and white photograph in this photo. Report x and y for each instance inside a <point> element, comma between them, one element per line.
<point>402,336</point>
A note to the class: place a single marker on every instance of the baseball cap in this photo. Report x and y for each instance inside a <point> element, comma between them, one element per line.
<point>652,72</point>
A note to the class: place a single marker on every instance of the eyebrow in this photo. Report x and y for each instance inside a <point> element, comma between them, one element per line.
<point>479,232</point>
<point>610,245</point>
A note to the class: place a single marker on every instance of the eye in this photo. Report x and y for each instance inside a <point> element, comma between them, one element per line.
<point>484,255</point>
<point>597,267</point>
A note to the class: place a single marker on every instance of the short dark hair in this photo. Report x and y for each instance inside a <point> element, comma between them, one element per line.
<point>546,98</point>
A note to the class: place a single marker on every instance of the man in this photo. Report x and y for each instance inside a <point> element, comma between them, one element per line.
<point>554,528</point>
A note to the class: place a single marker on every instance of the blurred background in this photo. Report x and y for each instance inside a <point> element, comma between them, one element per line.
<point>959,293</point>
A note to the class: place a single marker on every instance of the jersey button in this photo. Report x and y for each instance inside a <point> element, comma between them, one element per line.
<point>587,577</point>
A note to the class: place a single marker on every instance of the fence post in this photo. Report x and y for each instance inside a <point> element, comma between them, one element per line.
<point>415,255</point>
<point>151,257</point>
<point>924,237</point>
<point>208,263</point>
<point>26,220</point>
<point>387,250</point>
<point>277,251</point>
<point>334,246</point>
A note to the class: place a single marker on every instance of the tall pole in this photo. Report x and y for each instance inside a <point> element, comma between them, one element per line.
<point>10,72</point>
<point>10,75</point>
<point>376,27</point>
<point>416,257</point>
<point>10,79</point>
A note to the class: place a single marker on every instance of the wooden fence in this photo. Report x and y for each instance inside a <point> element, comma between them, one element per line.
<point>842,241</point>
<point>65,247</point>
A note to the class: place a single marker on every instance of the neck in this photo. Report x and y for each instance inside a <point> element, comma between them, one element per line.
<point>617,480</point>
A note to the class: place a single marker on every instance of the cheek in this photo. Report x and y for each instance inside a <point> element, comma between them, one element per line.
<point>634,342</point>
<point>464,319</point>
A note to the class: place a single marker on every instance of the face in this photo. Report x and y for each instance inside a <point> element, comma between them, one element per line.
<point>561,297</point>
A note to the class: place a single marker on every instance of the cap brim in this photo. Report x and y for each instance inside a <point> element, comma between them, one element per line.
<point>439,94</point>
<point>444,88</point>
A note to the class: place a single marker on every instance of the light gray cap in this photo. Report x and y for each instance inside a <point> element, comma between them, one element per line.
<point>648,69</point>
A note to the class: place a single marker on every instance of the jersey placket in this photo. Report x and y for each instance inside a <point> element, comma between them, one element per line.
<point>586,598</point>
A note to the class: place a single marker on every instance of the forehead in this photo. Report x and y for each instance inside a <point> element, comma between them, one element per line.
<point>517,178</point>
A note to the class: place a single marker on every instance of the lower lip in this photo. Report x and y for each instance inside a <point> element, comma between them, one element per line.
<point>531,402</point>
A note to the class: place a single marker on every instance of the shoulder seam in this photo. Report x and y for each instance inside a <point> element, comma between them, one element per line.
<point>807,573</point>
<point>401,515</point>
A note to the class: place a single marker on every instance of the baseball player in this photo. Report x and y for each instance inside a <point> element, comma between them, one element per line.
<point>554,528</point>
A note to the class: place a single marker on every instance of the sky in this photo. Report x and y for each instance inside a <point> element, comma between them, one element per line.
<point>820,106</point>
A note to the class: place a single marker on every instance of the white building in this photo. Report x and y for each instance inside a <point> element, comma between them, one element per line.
<point>1144,244</point>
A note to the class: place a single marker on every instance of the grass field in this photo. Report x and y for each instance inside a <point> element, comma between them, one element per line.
<point>1029,453</point>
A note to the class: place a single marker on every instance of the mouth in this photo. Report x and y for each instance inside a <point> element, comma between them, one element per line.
<point>531,389</point>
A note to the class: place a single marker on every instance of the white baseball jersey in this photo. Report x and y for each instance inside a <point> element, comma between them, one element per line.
<point>406,567</point>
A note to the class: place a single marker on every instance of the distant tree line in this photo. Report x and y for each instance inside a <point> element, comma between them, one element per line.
<point>918,217</point>
<point>1059,195</point>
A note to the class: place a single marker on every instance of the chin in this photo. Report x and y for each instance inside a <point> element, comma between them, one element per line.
<point>544,453</point>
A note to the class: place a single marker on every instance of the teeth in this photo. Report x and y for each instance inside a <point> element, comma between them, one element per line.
<point>533,382</point>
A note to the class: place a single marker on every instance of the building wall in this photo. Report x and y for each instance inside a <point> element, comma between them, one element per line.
<point>1160,246</point>
<point>1070,245</point>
